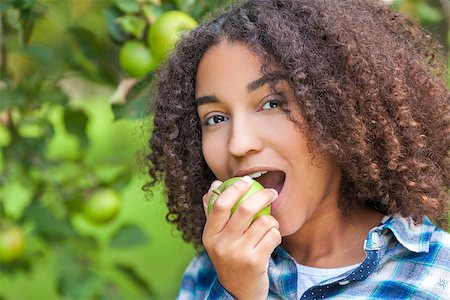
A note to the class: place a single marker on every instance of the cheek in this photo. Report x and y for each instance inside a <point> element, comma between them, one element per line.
<point>214,152</point>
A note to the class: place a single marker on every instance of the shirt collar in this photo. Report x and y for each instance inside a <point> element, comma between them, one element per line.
<point>414,237</point>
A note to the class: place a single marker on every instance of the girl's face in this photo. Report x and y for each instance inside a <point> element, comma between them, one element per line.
<point>246,131</point>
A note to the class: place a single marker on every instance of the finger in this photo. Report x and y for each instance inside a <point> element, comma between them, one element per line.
<point>243,216</point>
<point>221,209</point>
<point>258,229</point>
<point>207,197</point>
<point>269,242</point>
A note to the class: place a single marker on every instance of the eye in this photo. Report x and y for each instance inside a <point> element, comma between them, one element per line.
<point>216,119</point>
<point>271,104</point>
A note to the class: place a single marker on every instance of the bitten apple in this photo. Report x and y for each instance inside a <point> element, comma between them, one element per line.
<point>255,186</point>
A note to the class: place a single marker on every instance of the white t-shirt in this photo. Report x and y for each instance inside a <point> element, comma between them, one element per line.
<point>310,276</point>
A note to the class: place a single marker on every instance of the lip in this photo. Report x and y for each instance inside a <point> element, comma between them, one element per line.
<point>243,172</point>
<point>277,203</point>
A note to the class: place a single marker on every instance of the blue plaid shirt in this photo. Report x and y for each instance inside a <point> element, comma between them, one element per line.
<point>403,261</point>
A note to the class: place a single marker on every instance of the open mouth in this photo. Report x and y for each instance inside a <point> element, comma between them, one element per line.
<point>271,179</point>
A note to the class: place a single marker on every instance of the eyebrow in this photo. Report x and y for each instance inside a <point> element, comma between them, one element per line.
<point>273,77</point>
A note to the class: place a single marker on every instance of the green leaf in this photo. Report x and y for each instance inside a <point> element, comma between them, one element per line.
<point>47,224</point>
<point>428,14</point>
<point>11,19</point>
<point>24,4</point>
<point>134,109</point>
<point>136,106</point>
<point>136,279</point>
<point>5,136</point>
<point>109,173</point>
<point>87,42</point>
<point>395,5</point>
<point>32,130</point>
<point>63,147</point>
<point>31,85</point>
<point>132,24</point>
<point>115,30</point>
<point>61,174</point>
<point>127,6</point>
<point>80,284</point>
<point>75,122</point>
<point>17,197</point>
<point>53,95</point>
<point>28,18</point>
<point>26,150</point>
<point>128,236</point>
<point>152,12</point>
<point>12,98</point>
<point>92,56</point>
<point>185,5</point>
<point>41,54</point>
<point>4,5</point>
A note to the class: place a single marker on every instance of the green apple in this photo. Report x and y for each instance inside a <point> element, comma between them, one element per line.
<point>255,186</point>
<point>166,31</point>
<point>102,206</point>
<point>136,59</point>
<point>12,244</point>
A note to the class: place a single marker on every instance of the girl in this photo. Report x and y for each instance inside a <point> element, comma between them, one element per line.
<point>340,110</point>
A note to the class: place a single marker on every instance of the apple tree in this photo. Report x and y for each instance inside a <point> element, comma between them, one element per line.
<point>74,222</point>
<point>74,91</point>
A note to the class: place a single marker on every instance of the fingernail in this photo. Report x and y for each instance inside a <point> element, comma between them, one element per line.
<point>215,184</point>
<point>246,179</point>
<point>274,191</point>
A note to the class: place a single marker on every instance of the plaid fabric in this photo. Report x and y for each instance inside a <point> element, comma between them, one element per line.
<point>403,261</point>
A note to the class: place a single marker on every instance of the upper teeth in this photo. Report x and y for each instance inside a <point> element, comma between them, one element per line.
<point>257,174</point>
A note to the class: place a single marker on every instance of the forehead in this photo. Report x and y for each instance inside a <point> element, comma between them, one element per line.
<point>226,65</point>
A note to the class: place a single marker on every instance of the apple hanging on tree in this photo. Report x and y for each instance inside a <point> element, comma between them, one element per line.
<point>102,206</point>
<point>136,59</point>
<point>12,244</point>
<point>166,31</point>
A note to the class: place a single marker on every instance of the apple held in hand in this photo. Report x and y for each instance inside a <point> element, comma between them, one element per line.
<point>255,186</point>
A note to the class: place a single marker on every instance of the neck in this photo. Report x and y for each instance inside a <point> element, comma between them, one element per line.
<point>331,239</point>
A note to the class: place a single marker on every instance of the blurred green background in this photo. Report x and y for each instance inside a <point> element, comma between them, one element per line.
<point>75,85</point>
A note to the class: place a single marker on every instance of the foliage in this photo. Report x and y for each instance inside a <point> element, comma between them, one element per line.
<point>72,122</point>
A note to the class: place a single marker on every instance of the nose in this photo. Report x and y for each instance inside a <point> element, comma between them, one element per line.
<point>245,137</point>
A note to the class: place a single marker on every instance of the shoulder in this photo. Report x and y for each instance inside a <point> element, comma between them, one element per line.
<point>439,249</point>
<point>423,242</point>
<point>198,277</point>
<point>416,259</point>
<point>434,266</point>
<point>440,237</point>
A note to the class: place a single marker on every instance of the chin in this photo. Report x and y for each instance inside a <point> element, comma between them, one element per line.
<point>288,229</point>
<point>289,225</point>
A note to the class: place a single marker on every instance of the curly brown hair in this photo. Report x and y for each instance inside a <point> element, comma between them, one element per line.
<point>369,83</point>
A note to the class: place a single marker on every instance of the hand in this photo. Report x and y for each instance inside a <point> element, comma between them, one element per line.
<point>239,248</point>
